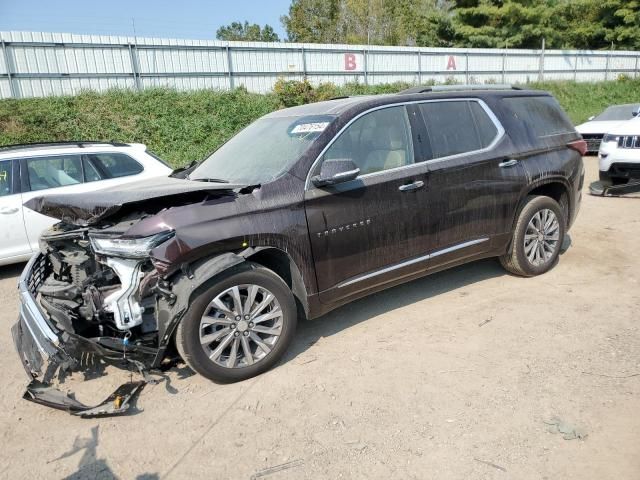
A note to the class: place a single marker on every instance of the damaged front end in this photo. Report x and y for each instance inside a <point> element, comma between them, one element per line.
<point>97,295</point>
<point>86,302</point>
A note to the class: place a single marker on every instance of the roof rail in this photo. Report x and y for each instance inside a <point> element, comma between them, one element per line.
<point>79,144</point>
<point>456,88</point>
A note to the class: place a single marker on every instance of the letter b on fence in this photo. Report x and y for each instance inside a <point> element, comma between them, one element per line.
<point>350,61</point>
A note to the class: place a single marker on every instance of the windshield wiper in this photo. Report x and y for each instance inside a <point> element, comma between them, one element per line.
<point>212,180</point>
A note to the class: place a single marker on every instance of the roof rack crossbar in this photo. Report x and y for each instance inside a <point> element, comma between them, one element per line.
<point>455,88</point>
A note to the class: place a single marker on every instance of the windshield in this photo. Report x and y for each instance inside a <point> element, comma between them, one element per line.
<point>618,112</point>
<point>263,151</point>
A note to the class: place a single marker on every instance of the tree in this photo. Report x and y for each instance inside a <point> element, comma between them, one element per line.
<point>508,23</point>
<point>585,24</point>
<point>375,22</point>
<point>624,30</point>
<point>247,32</point>
<point>313,21</point>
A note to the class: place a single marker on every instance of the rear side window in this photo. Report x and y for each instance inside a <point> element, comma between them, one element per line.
<point>541,115</point>
<point>456,127</point>
<point>6,178</point>
<point>55,171</point>
<point>114,165</point>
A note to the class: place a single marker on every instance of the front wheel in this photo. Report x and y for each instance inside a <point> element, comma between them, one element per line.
<point>537,237</point>
<point>239,326</point>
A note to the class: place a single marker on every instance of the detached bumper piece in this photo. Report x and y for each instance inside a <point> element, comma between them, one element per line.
<point>117,403</point>
<point>607,189</point>
<point>47,353</point>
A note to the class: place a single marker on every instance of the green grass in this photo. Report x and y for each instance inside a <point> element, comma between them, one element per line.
<point>183,126</point>
<point>178,126</point>
<point>582,100</point>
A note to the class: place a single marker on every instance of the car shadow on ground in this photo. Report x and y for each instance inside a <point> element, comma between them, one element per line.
<point>309,332</point>
<point>14,270</point>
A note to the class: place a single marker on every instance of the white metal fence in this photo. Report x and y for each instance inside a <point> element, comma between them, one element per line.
<point>41,64</point>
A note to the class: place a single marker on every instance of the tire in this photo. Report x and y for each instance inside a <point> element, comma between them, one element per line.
<point>212,359</point>
<point>518,259</point>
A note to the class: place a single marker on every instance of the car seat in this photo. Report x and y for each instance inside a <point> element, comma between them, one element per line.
<point>387,148</point>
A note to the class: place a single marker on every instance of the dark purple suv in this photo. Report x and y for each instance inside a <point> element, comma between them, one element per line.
<point>306,209</point>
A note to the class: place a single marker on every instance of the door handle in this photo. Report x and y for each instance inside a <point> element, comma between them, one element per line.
<point>508,163</point>
<point>410,187</point>
<point>8,210</point>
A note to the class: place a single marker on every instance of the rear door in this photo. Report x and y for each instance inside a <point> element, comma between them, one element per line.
<point>13,236</point>
<point>370,230</point>
<point>473,184</point>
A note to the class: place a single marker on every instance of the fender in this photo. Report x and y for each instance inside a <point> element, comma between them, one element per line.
<point>171,308</point>
<point>541,183</point>
<point>191,278</point>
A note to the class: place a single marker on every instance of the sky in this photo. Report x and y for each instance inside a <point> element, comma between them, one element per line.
<point>195,19</point>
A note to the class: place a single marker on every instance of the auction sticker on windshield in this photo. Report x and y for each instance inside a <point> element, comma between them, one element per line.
<point>316,127</point>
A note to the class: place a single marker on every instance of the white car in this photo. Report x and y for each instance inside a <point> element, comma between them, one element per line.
<point>619,155</point>
<point>593,130</point>
<point>28,171</point>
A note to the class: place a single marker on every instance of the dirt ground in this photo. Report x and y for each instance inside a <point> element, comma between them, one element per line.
<point>452,376</point>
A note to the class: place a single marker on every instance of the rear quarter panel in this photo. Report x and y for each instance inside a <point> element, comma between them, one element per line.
<point>545,159</point>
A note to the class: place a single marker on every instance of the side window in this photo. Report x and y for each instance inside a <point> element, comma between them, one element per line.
<point>54,171</point>
<point>377,141</point>
<point>6,178</point>
<point>115,165</point>
<point>91,174</point>
<point>542,115</point>
<point>456,127</point>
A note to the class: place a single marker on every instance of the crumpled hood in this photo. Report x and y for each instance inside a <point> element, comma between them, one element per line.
<point>89,208</point>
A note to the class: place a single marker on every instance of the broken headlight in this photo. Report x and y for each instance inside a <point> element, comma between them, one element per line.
<point>129,247</point>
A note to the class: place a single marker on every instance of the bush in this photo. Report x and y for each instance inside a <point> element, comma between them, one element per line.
<point>178,126</point>
<point>184,126</point>
<point>292,92</point>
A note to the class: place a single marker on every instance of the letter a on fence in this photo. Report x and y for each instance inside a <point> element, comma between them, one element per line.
<point>451,63</point>
<point>349,61</point>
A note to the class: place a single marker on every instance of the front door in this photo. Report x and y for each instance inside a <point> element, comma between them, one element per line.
<point>368,231</point>
<point>13,237</point>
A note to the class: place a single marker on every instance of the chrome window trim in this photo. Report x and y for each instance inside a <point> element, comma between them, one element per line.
<point>499,135</point>
<point>406,263</point>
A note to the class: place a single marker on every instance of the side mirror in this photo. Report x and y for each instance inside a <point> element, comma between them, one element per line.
<point>636,112</point>
<point>334,171</point>
<point>592,117</point>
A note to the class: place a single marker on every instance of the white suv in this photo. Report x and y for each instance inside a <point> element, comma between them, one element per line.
<point>619,154</point>
<point>28,171</point>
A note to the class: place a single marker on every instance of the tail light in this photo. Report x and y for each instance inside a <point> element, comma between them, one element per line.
<point>579,146</point>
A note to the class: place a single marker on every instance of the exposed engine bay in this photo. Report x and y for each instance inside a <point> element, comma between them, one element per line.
<point>95,295</point>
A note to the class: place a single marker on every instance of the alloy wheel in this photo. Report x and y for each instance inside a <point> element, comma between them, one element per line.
<point>541,237</point>
<point>241,326</point>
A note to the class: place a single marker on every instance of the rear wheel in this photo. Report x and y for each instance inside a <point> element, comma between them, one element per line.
<point>537,237</point>
<point>238,327</point>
